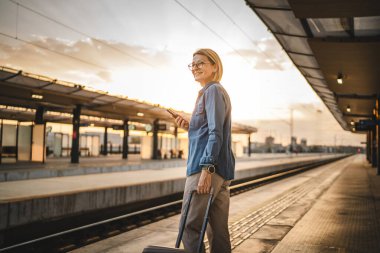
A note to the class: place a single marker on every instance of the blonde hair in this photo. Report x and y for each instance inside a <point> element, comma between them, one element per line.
<point>214,59</point>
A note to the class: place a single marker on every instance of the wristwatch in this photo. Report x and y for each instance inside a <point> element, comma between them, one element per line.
<point>209,168</point>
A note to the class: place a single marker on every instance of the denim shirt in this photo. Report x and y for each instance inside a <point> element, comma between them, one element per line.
<point>210,132</point>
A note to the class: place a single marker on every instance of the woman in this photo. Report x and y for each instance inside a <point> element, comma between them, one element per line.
<point>210,162</point>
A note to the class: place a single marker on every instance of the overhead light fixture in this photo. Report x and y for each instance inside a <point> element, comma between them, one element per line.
<point>352,123</point>
<point>348,109</point>
<point>140,114</point>
<point>37,96</point>
<point>339,78</point>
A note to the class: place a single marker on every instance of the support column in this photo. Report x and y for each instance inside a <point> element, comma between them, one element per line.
<point>368,146</point>
<point>125,139</point>
<point>249,145</point>
<point>176,141</point>
<point>155,139</point>
<point>17,132</point>
<point>39,120</point>
<point>374,148</point>
<point>105,141</point>
<point>39,117</point>
<point>377,118</point>
<point>75,138</point>
<point>1,140</point>
<point>377,149</point>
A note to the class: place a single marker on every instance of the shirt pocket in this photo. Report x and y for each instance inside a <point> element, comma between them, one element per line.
<point>199,115</point>
<point>200,109</point>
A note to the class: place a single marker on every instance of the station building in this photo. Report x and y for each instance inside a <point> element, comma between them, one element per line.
<point>44,118</point>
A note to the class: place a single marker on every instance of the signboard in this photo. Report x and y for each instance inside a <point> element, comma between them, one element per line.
<point>117,127</point>
<point>365,125</point>
<point>161,127</point>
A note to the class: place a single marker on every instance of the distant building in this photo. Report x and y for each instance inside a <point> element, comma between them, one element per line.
<point>303,146</point>
<point>268,147</point>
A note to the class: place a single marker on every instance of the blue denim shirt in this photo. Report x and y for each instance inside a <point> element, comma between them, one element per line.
<point>210,132</point>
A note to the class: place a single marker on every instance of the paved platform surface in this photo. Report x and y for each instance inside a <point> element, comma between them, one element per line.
<point>275,217</point>
<point>345,219</point>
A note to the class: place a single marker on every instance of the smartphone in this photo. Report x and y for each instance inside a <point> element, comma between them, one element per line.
<point>173,113</point>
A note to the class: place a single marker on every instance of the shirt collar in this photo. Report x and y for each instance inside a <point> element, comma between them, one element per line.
<point>204,88</point>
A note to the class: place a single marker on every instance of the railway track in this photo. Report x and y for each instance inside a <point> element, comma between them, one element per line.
<point>76,232</point>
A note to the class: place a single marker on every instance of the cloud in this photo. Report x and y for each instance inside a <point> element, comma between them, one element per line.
<point>95,58</point>
<point>267,55</point>
<point>105,75</point>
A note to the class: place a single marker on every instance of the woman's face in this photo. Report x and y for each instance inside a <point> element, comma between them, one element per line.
<point>203,70</point>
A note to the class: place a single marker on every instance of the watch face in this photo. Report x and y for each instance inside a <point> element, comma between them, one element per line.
<point>211,168</point>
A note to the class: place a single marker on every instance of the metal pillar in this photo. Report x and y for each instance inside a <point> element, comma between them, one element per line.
<point>155,139</point>
<point>38,120</point>
<point>75,138</point>
<point>249,145</point>
<point>370,146</point>
<point>378,149</point>
<point>105,141</point>
<point>39,117</point>
<point>125,139</point>
<point>377,118</point>
<point>1,140</point>
<point>176,141</point>
<point>17,132</point>
<point>367,146</point>
<point>374,148</point>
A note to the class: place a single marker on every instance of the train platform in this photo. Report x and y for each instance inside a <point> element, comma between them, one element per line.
<point>333,208</point>
<point>61,167</point>
<point>27,201</point>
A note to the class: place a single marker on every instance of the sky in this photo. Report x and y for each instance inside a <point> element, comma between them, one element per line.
<point>141,49</point>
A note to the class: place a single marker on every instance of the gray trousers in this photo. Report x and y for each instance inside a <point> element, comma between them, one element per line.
<point>217,229</point>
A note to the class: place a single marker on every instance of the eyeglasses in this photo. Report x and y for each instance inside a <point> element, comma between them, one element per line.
<point>198,65</point>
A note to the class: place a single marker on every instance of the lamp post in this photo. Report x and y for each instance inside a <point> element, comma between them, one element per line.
<point>291,124</point>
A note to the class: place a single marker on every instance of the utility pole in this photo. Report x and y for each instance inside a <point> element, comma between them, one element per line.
<point>291,130</point>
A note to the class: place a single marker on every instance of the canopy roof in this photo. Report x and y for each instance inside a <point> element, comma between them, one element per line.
<point>22,93</point>
<point>327,39</point>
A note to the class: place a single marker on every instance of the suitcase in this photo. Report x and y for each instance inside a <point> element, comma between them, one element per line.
<point>159,249</point>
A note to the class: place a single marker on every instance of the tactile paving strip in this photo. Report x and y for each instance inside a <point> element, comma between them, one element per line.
<point>247,226</point>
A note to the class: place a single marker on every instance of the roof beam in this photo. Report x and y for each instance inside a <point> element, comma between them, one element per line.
<point>11,76</point>
<point>357,115</point>
<point>48,84</point>
<point>306,67</point>
<point>356,96</point>
<point>269,8</point>
<point>306,27</point>
<point>290,35</point>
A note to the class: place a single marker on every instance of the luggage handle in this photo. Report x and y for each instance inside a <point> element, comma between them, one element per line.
<point>205,220</point>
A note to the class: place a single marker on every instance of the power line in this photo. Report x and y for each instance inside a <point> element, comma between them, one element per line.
<point>53,51</point>
<point>212,31</point>
<point>244,33</point>
<point>81,33</point>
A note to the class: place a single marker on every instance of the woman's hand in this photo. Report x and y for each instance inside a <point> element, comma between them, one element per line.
<point>182,123</point>
<point>204,183</point>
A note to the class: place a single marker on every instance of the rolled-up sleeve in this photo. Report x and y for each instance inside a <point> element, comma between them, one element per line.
<point>215,107</point>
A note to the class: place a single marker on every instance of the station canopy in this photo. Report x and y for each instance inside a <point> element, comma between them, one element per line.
<point>22,93</point>
<point>335,44</point>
